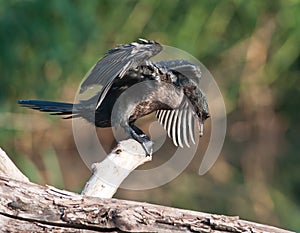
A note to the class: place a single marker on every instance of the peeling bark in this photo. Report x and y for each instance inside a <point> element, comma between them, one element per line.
<point>29,207</point>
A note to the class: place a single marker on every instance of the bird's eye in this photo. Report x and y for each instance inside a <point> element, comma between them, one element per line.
<point>205,115</point>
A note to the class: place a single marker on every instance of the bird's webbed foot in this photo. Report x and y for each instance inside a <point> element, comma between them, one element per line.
<point>142,138</point>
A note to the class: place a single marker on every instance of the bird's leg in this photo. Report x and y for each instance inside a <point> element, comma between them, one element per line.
<point>142,138</point>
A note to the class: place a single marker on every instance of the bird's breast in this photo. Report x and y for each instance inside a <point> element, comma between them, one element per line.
<point>163,96</point>
<point>144,98</point>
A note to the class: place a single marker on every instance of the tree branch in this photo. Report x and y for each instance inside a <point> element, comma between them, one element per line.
<point>8,168</point>
<point>109,173</point>
<point>30,207</point>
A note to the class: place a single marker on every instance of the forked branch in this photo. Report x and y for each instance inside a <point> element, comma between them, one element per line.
<point>28,207</point>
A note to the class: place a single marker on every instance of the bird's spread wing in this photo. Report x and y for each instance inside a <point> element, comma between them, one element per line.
<point>179,124</point>
<point>183,67</point>
<point>117,62</point>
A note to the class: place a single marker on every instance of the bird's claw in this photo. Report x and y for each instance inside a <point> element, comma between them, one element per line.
<point>142,138</point>
<point>148,147</point>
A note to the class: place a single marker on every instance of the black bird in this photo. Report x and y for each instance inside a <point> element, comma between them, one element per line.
<point>170,88</point>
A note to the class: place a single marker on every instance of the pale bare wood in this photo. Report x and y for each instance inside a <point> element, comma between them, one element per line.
<point>8,168</point>
<point>30,207</point>
<point>109,173</point>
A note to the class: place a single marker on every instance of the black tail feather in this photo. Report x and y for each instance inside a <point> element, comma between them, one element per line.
<point>56,108</point>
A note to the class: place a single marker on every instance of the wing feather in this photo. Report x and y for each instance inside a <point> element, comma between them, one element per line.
<point>179,124</point>
<point>186,68</point>
<point>175,127</point>
<point>179,127</point>
<point>170,123</point>
<point>191,126</point>
<point>116,63</point>
<point>185,128</point>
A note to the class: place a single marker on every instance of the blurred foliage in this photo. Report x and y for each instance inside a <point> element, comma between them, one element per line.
<point>251,48</point>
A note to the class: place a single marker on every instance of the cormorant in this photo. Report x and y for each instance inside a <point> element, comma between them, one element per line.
<point>170,88</point>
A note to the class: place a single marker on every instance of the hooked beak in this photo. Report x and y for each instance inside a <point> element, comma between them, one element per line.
<point>201,132</point>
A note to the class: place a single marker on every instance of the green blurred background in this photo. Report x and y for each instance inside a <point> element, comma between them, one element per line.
<point>250,47</point>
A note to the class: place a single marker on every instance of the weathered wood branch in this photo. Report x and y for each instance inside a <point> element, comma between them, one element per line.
<point>30,207</point>
<point>108,174</point>
<point>8,168</point>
